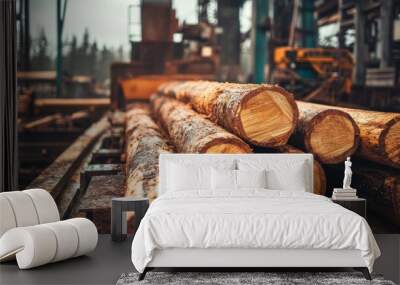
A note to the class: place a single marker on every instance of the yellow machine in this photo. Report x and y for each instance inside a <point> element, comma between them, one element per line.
<point>310,71</point>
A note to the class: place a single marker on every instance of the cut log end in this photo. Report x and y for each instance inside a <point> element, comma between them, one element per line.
<point>392,143</point>
<point>264,115</point>
<point>268,118</point>
<point>332,136</point>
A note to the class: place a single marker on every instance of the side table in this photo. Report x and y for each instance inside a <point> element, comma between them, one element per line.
<point>357,205</point>
<point>119,207</point>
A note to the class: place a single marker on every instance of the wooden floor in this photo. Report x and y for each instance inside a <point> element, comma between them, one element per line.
<point>110,260</point>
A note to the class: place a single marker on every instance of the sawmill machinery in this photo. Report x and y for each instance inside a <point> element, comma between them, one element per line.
<point>307,72</point>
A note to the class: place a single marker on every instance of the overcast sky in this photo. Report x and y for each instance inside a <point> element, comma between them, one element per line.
<point>107,20</point>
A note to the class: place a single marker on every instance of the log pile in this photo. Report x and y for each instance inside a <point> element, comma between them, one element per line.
<point>144,145</point>
<point>380,185</point>
<point>263,115</point>
<point>379,133</point>
<point>191,132</point>
<point>211,117</point>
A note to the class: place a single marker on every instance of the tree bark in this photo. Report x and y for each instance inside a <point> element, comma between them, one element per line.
<point>144,145</point>
<point>191,132</point>
<point>264,115</point>
<point>330,134</point>
<point>379,134</point>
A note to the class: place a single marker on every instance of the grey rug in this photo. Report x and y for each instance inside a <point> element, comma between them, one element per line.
<point>229,278</point>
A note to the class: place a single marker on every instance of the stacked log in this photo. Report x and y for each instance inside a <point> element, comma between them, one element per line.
<point>330,134</point>
<point>211,117</point>
<point>379,134</point>
<point>191,132</point>
<point>381,187</point>
<point>144,145</point>
<point>263,115</point>
<point>141,87</point>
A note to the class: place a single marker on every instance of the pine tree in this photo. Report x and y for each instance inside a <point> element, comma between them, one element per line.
<point>93,59</point>
<point>121,53</point>
<point>41,59</point>
<point>106,58</point>
<point>72,63</point>
<point>83,54</point>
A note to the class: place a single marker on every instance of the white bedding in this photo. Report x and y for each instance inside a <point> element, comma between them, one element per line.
<point>252,218</point>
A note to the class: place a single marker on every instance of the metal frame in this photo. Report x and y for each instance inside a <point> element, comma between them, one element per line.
<point>97,170</point>
<point>259,39</point>
<point>104,156</point>
<point>61,12</point>
<point>363,270</point>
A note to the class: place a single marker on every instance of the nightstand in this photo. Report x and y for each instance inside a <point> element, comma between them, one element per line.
<point>357,205</point>
<point>119,207</point>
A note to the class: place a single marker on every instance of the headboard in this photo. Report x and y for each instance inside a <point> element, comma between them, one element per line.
<point>212,159</point>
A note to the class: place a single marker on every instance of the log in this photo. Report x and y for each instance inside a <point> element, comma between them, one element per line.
<point>381,188</point>
<point>142,87</point>
<point>191,132</point>
<point>379,135</point>
<point>144,144</point>
<point>43,122</point>
<point>330,134</point>
<point>380,185</point>
<point>264,115</point>
<point>72,102</point>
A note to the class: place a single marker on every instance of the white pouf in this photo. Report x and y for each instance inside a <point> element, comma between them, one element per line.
<point>31,230</point>
<point>7,220</point>
<point>37,245</point>
<point>45,206</point>
<point>65,236</point>
<point>87,235</point>
<point>24,211</point>
<point>26,208</point>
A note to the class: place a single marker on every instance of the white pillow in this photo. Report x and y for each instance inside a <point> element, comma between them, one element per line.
<point>223,179</point>
<point>181,177</point>
<point>281,174</point>
<point>293,180</point>
<point>251,178</point>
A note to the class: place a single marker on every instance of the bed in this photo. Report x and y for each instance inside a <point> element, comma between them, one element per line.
<point>194,223</point>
